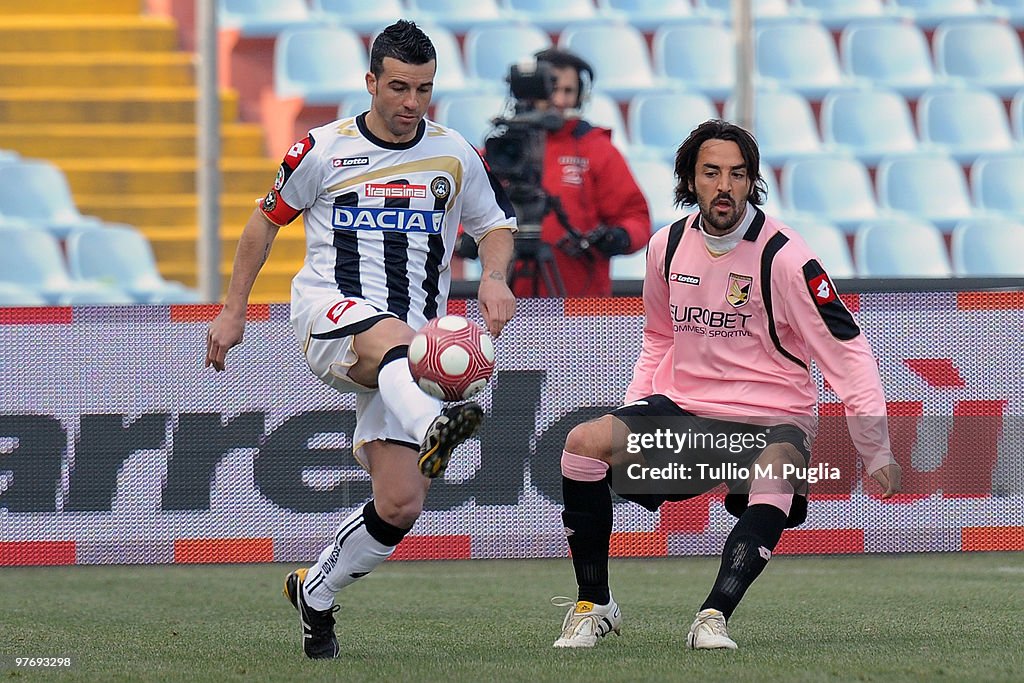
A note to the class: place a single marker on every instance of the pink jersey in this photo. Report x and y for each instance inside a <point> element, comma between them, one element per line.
<point>734,335</point>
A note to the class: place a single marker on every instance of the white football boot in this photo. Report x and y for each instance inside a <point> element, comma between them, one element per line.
<point>708,632</point>
<point>585,622</point>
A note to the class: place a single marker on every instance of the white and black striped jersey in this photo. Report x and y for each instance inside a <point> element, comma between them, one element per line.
<point>381,218</point>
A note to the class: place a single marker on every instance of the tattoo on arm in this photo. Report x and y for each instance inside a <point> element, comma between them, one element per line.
<point>496,275</point>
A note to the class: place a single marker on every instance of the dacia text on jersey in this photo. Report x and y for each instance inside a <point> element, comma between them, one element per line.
<point>397,220</point>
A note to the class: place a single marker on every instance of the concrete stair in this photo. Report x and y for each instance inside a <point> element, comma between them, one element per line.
<point>105,93</point>
<point>101,141</point>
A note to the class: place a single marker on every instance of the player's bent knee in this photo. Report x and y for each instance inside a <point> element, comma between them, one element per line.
<point>384,335</point>
<point>591,439</point>
<point>401,513</point>
<point>782,458</point>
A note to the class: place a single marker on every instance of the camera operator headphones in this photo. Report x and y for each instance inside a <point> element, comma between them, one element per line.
<point>563,58</point>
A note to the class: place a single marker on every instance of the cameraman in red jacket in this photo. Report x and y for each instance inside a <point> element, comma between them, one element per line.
<point>593,183</point>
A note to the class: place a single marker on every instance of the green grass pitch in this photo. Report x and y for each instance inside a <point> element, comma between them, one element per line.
<point>927,617</point>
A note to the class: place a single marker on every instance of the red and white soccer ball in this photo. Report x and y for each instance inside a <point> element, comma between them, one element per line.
<point>451,358</point>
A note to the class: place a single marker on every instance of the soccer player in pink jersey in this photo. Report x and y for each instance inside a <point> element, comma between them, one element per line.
<point>736,307</point>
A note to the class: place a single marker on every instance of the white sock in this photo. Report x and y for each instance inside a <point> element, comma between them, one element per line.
<point>403,397</point>
<point>353,555</point>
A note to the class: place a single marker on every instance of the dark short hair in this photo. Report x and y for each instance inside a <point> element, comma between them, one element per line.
<point>561,59</point>
<point>404,41</point>
<point>716,129</point>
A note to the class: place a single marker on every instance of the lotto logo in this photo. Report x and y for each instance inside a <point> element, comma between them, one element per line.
<point>822,289</point>
<point>685,279</point>
<point>351,161</point>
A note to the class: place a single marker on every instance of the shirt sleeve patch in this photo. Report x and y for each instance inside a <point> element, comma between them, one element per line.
<point>834,314</point>
<point>276,209</point>
<point>822,289</point>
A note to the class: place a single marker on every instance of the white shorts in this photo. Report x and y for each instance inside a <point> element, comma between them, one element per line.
<point>325,328</point>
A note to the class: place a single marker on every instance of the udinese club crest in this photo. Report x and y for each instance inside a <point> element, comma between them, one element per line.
<point>440,187</point>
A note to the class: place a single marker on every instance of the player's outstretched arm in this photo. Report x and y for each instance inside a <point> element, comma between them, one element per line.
<point>253,249</point>
<point>497,303</point>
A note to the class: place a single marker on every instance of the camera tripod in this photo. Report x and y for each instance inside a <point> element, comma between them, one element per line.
<point>535,263</point>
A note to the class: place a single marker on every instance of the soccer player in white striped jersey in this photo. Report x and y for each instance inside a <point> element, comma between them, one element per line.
<point>382,195</point>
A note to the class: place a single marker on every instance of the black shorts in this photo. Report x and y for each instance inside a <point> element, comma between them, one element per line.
<point>704,452</point>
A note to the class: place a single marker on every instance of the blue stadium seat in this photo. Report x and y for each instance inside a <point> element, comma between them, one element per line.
<point>457,16</point>
<point>722,9</point>
<point>832,187</point>
<point>648,15</point>
<point>784,125</point>
<point>997,183</point>
<point>930,13</point>
<point>621,72</point>
<point>985,53</point>
<point>799,55</point>
<point>307,64</point>
<point>929,185</point>
<point>773,200</point>
<point>556,15</point>
<point>629,266</point>
<point>492,50</point>
<point>359,15</point>
<point>988,246</point>
<point>263,18</point>
<point>106,297</point>
<point>900,247</point>
<point>681,55</point>
<point>963,121</point>
<point>828,243</point>
<point>868,122</point>
<point>470,114</point>
<point>1011,10</point>
<point>451,70</point>
<point>658,122</point>
<point>33,259</point>
<point>835,14</point>
<point>471,269</point>
<point>37,191</point>
<point>601,110</point>
<point>891,54</point>
<point>657,181</point>
<point>1017,116</point>
<point>17,295</point>
<point>121,257</point>
<point>354,105</point>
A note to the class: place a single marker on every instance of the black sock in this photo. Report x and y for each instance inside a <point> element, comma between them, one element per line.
<point>588,524</point>
<point>401,351</point>
<point>746,554</point>
<point>379,530</point>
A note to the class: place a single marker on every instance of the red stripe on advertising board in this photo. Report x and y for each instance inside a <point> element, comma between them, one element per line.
<point>434,548</point>
<point>202,313</point>
<point>988,301</point>
<point>216,550</point>
<point>29,315</point>
<point>992,538</point>
<point>814,541</point>
<point>22,553</point>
